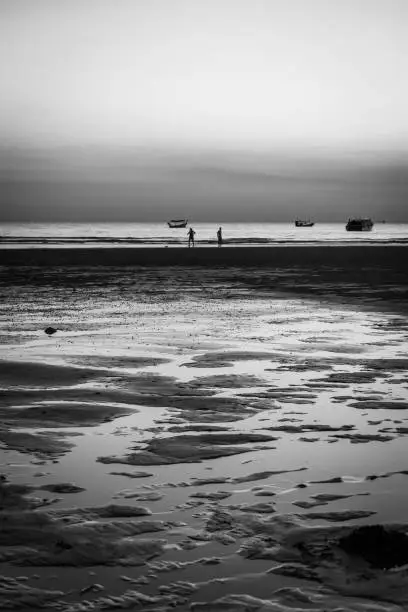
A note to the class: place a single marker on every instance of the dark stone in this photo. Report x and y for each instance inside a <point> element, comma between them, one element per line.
<point>381,548</point>
<point>50,331</point>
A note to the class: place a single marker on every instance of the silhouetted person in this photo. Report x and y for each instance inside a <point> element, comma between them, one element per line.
<point>219,236</point>
<point>190,235</point>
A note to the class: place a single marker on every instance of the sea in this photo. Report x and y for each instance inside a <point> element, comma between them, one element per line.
<point>109,234</point>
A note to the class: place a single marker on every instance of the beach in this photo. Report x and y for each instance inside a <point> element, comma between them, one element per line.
<point>204,306</point>
<point>204,429</point>
<point>352,257</point>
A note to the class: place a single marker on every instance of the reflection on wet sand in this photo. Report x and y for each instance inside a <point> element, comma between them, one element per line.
<point>266,419</point>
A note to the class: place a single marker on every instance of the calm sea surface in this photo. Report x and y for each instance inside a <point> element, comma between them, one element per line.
<point>111,234</point>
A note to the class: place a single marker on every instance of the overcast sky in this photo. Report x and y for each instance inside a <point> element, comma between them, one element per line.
<point>167,99</point>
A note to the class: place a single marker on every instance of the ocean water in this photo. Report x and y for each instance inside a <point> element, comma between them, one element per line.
<point>153,234</point>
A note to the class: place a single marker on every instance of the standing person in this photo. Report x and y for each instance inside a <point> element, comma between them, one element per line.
<point>190,235</point>
<point>219,236</point>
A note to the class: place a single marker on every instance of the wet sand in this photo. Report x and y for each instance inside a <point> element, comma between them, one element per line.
<point>344,255</point>
<point>204,438</point>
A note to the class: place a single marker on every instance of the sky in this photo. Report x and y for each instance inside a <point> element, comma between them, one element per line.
<point>142,109</point>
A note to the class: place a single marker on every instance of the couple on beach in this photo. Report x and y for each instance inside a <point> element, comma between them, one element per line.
<point>191,234</point>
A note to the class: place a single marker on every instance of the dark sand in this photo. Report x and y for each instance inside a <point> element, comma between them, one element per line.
<point>347,256</point>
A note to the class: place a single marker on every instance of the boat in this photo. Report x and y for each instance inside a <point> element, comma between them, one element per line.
<point>359,224</point>
<point>300,223</point>
<point>177,223</point>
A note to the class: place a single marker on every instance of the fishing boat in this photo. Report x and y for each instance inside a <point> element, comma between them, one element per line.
<point>177,223</point>
<point>359,224</point>
<point>300,223</point>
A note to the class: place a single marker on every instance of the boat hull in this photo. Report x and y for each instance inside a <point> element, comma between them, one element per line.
<point>359,229</point>
<point>177,224</point>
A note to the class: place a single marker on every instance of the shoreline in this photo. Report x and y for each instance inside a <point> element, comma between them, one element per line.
<point>348,256</point>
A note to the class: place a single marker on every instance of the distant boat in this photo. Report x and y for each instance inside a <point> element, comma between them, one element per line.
<point>177,223</point>
<point>359,225</point>
<point>300,223</point>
